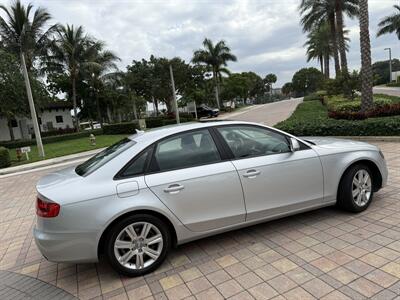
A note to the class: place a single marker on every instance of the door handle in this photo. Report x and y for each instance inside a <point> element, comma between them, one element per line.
<point>174,188</point>
<point>251,173</point>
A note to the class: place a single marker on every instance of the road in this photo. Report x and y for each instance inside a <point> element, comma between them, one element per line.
<point>268,114</point>
<point>393,91</point>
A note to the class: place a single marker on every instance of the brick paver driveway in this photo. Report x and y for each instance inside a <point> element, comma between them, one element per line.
<point>325,254</point>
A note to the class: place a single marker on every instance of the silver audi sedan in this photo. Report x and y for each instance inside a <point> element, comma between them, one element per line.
<point>157,189</point>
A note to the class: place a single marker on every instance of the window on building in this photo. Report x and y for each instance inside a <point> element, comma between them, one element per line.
<point>59,119</point>
<point>14,123</point>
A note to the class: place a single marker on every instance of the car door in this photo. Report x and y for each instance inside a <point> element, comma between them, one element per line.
<point>275,180</point>
<point>188,174</point>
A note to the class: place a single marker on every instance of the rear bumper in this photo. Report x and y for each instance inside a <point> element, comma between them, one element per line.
<point>67,247</point>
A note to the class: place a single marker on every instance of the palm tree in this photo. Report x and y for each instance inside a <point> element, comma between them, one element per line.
<point>269,80</point>
<point>319,47</point>
<point>103,62</point>
<point>314,14</point>
<point>390,24</point>
<point>365,47</point>
<point>216,58</point>
<point>350,8</point>
<point>25,35</point>
<point>73,51</point>
<point>317,12</point>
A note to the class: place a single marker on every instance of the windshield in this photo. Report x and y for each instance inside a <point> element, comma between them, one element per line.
<point>103,157</point>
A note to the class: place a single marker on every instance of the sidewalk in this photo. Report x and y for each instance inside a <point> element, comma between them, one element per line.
<point>57,161</point>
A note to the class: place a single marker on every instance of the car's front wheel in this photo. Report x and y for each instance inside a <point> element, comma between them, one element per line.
<point>137,244</point>
<point>356,190</point>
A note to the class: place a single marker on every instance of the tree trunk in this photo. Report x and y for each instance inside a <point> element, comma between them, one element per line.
<point>340,35</point>
<point>32,107</point>
<point>10,129</point>
<point>119,116</point>
<point>109,115</point>
<point>321,62</point>
<point>135,115</point>
<point>74,101</point>
<point>327,66</point>
<point>334,43</point>
<point>216,89</point>
<point>365,47</point>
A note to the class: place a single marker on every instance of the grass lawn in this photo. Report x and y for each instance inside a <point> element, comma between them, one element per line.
<point>62,148</point>
<point>311,119</point>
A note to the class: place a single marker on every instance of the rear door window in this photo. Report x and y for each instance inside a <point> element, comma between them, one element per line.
<point>185,150</point>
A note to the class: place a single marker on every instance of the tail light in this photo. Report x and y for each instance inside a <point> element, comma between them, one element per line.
<point>46,209</point>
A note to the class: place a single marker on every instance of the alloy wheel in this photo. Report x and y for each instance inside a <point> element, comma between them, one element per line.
<point>138,245</point>
<point>361,187</point>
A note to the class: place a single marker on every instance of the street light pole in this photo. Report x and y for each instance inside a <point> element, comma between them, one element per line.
<point>174,94</point>
<point>390,64</point>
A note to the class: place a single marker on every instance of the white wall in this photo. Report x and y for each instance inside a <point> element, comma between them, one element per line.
<point>48,116</point>
<point>27,127</point>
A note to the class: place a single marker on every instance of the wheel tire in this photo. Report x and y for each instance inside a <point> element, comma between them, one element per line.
<point>345,198</point>
<point>117,229</point>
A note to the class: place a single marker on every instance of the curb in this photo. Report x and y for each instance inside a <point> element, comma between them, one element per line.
<point>371,138</point>
<point>50,162</point>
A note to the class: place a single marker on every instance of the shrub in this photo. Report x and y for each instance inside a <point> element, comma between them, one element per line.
<point>121,128</point>
<point>312,97</point>
<point>162,121</point>
<point>50,139</point>
<point>5,160</point>
<point>59,131</point>
<point>340,104</point>
<point>311,119</point>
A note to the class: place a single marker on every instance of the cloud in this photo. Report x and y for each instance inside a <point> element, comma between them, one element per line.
<point>264,34</point>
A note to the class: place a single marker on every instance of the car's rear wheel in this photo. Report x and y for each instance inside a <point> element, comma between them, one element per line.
<point>137,244</point>
<point>356,189</point>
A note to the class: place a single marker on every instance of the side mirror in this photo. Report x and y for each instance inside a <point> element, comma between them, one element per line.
<point>294,145</point>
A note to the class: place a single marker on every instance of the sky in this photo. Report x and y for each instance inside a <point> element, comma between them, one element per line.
<point>265,35</point>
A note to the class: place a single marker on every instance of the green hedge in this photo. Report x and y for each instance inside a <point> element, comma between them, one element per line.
<point>121,128</point>
<point>340,104</point>
<point>311,119</point>
<point>51,139</point>
<point>5,160</point>
<point>312,97</point>
<point>162,121</point>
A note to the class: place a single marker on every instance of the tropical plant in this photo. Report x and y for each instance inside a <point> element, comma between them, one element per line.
<point>216,57</point>
<point>317,12</point>
<point>23,32</point>
<point>103,62</point>
<point>365,48</point>
<point>73,51</point>
<point>287,88</point>
<point>314,14</point>
<point>390,23</point>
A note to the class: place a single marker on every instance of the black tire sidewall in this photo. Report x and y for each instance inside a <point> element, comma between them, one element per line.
<point>345,198</point>
<point>117,228</point>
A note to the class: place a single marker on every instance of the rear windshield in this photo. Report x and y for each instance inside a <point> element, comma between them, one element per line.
<point>103,157</point>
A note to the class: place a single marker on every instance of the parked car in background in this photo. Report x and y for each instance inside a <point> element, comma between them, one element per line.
<point>204,111</point>
<point>174,184</point>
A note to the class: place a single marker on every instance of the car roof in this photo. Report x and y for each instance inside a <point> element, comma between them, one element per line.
<point>155,134</point>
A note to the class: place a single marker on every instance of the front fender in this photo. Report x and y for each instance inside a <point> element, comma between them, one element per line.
<point>335,165</point>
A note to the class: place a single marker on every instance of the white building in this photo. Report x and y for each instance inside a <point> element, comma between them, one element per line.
<point>53,116</point>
